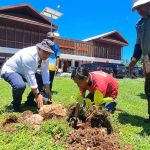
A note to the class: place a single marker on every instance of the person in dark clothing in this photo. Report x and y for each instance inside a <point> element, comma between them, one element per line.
<point>142,45</point>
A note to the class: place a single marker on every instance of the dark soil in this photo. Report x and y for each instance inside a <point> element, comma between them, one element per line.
<point>91,139</point>
<point>99,120</point>
<point>8,124</point>
<point>10,119</point>
<point>93,132</point>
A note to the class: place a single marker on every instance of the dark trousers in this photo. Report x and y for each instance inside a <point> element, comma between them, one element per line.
<point>30,97</point>
<point>18,85</point>
<point>51,78</point>
<point>146,66</point>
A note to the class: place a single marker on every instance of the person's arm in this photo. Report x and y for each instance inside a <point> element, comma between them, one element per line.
<point>45,77</point>
<point>29,66</point>
<point>57,62</point>
<point>38,97</point>
<point>57,56</point>
<point>82,91</point>
<point>137,51</point>
<point>45,72</point>
<point>135,58</point>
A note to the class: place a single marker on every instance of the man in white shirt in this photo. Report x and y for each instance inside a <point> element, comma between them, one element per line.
<point>22,67</point>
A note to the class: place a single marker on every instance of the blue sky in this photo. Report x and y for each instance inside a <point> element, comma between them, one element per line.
<point>85,18</point>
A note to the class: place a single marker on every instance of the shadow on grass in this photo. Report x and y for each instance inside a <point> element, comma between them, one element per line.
<point>9,108</point>
<point>54,92</point>
<point>142,96</point>
<point>134,120</point>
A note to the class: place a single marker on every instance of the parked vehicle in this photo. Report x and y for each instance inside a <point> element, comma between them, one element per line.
<point>97,67</point>
<point>92,66</point>
<point>107,70</point>
<point>119,70</point>
<point>137,72</point>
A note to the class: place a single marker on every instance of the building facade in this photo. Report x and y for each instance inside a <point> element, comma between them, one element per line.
<point>22,26</point>
<point>104,48</point>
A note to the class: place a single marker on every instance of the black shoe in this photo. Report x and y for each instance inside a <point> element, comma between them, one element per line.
<point>147,120</point>
<point>13,108</point>
<point>30,103</point>
<point>17,109</point>
<point>49,102</point>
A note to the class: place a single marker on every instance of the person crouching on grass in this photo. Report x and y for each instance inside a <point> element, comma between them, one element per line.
<point>96,81</point>
<point>22,67</point>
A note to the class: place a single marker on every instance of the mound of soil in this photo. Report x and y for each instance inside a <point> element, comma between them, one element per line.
<point>91,139</point>
<point>8,124</point>
<point>53,110</point>
<point>10,119</point>
<point>94,132</point>
<point>99,119</point>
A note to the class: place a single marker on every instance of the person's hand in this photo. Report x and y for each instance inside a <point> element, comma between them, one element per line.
<point>130,67</point>
<point>39,101</point>
<point>57,68</point>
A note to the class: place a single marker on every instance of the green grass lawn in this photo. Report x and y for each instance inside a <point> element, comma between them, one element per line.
<point>129,126</point>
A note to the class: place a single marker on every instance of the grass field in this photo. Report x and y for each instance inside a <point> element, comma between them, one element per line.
<point>128,125</point>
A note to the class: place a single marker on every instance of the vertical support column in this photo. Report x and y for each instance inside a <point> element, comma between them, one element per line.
<point>73,63</point>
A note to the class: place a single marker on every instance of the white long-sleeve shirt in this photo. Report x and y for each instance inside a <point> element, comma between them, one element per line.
<point>25,62</point>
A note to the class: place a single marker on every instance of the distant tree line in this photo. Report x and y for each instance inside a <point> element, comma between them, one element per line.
<point>138,64</point>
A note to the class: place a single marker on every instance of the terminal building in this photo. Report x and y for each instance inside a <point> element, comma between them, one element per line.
<point>22,26</point>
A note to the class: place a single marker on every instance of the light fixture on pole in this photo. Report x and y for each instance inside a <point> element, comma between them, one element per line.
<point>51,13</point>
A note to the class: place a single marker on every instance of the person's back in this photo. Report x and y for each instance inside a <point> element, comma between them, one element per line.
<point>105,83</point>
<point>14,64</point>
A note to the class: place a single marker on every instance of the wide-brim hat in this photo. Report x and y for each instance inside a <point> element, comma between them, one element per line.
<point>137,3</point>
<point>46,45</point>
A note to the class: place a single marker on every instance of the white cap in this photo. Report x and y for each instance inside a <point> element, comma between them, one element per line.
<point>137,3</point>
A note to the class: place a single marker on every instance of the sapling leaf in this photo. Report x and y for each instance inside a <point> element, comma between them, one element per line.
<point>98,97</point>
<point>88,102</point>
<point>105,100</point>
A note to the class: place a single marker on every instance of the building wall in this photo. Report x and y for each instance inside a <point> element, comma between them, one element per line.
<point>80,48</point>
<point>19,36</point>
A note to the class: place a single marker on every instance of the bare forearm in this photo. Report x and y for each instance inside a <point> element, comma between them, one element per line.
<point>83,93</point>
<point>35,91</point>
<point>57,62</point>
<point>38,97</point>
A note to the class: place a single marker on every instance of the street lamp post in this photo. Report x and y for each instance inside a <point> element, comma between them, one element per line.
<point>52,14</point>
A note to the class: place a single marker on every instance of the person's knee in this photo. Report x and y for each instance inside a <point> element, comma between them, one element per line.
<point>20,86</point>
<point>111,106</point>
